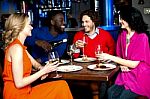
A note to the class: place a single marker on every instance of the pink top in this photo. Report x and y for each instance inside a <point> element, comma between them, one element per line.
<point>138,79</point>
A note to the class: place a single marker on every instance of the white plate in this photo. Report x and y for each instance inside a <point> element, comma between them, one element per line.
<point>108,67</point>
<point>62,62</point>
<point>89,59</point>
<point>69,68</point>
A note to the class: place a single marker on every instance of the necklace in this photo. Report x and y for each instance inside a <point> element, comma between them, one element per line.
<point>128,37</point>
<point>127,40</point>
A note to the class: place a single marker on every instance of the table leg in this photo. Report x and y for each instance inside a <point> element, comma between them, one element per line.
<point>95,89</point>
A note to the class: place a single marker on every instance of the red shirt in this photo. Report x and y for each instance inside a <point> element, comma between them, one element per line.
<point>103,38</point>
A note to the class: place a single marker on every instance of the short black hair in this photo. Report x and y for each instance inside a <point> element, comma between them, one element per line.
<point>53,13</point>
<point>50,15</point>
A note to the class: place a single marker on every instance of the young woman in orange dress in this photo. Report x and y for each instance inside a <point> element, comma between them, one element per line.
<point>18,64</point>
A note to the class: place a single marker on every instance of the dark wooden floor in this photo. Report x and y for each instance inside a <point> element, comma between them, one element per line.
<point>82,90</point>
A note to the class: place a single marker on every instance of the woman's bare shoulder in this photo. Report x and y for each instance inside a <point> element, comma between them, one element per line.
<point>16,48</point>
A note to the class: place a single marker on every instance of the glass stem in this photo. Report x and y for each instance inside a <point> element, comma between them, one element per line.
<point>71,60</point>
<point>83,51</point>
<point>56,72</point>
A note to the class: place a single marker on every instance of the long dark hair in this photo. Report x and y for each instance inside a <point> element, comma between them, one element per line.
<point>134,18</point>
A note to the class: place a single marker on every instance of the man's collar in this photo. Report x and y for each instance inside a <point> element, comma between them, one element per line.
<point>96,32</point>
<point>92,36</point>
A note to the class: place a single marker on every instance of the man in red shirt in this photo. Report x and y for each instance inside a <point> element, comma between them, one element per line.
<point>87,40</point>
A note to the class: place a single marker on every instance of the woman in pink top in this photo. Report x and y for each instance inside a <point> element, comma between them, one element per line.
<point>133,55</point>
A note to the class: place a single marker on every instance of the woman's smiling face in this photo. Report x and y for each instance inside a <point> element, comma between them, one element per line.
<point>124,24</point>
<point>27,29</point>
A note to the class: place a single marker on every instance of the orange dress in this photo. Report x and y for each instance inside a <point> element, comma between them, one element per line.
<point>49,90</point>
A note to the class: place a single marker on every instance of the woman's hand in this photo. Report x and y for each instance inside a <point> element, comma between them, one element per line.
<point>44,76</point>
<point>104,56</point>
<point>49,67</point>
<point>124,69</point>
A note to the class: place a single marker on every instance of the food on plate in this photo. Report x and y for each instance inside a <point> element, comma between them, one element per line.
<point>84,58</point>
<point>100,66</point>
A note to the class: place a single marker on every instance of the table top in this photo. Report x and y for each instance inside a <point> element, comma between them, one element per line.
<point>87,74</point>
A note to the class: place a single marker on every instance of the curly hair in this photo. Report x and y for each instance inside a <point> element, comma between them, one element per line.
<point>92,14</point>
<point>13,26</point>
<point>134,18</point>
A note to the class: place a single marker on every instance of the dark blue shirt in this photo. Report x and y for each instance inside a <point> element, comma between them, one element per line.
<point>44,34</point>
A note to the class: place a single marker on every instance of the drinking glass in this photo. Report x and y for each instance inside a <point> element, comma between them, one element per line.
<point>70,52</point>
<point>53,56</point>
<point>98,51</point>
<point>85,43</point>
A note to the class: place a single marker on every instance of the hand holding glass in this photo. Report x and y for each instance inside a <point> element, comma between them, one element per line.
<point>53,57</point>
<point>98,51</point>
<point>80,44</point>
<point>70,52</point>
<point>84,43</point>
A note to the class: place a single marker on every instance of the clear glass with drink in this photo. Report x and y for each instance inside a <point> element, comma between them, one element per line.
<point>53,57</point>
<point>98,51</point>
<point>70,52</point>
<point>84,41</point>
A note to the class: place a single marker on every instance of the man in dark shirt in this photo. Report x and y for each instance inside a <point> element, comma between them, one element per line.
<point>39,42</point>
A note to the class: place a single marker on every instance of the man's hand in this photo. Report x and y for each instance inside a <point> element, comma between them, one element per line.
<point>44,44</point>
<point>80,44</point>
